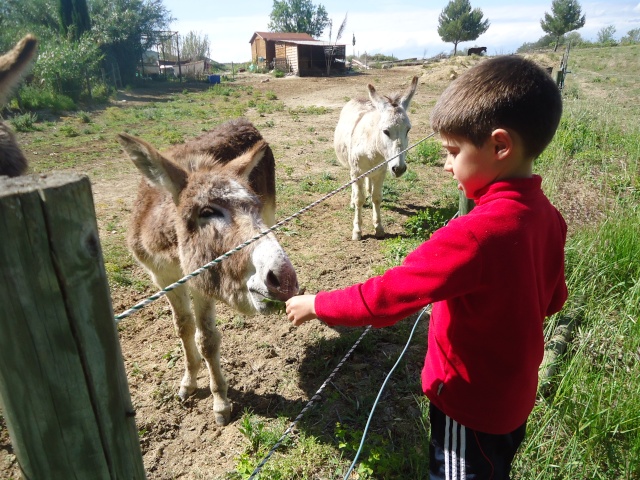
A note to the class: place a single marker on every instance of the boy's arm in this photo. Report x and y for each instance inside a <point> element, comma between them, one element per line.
<point>301,309</point>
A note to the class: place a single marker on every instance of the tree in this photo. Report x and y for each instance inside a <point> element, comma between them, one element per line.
<point>632,36</point>
<point>194,46</point>
<point>458,23</point>
<point>605,35</point>
<point>17,18</point>
<point>300,16</point>
<point>565,18</point>
<point>74,18</point>
<point>126,28</point>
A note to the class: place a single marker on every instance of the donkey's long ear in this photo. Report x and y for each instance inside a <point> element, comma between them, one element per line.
<point>245,163</point>
<point>160,171</point>
<point>378,100</point>
<point>408,95</point>
<point>14,63</point>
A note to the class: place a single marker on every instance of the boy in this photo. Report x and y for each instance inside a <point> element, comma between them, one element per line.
<point>492,275</point>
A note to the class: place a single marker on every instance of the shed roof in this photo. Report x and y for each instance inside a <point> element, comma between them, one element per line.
<point>313,42</point>
<point>276,36</point>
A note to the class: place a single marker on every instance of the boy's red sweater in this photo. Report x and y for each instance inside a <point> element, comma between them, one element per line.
<point>492,276</point>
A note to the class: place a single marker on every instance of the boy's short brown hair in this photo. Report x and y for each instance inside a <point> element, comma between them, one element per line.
<point>503,92</point>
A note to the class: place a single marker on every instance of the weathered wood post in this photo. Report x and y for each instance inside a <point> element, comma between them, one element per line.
<point>63,388</point>
<point>465,205</point>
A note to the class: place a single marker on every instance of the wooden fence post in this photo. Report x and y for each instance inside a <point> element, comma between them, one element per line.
<point>465,205</point>
<point>63,388</point>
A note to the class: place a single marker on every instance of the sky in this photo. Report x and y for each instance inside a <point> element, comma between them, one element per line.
<point>402,28</point>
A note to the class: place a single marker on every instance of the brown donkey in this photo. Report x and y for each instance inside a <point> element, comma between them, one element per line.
<point>197,201</point>
<point>12,66</point>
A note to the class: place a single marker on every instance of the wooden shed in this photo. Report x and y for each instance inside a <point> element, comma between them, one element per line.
<point>296,53</point>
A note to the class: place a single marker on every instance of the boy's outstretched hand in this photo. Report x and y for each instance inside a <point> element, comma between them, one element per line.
<point>301,309</point>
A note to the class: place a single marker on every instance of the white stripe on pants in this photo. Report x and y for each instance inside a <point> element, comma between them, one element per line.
<point>455,442</point>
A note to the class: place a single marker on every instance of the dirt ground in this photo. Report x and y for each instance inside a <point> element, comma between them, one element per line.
<point>269,365</point>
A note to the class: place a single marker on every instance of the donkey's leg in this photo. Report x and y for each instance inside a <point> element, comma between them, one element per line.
<point>185,327</point>
<point>357,201</point>
<point>208,338</point>
<point>376,182</point>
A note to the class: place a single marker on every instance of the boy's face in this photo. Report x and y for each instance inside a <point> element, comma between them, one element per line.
<point>474,168</point>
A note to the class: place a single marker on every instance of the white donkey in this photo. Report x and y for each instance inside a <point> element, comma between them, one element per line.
<point>368,133</point>
<point>13,64</point>
<point>197,201</point>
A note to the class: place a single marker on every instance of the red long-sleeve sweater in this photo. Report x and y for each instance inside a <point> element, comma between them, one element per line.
<point>492,276</point>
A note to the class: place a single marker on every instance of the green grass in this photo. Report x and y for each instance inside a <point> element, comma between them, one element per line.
<point>590,426</point>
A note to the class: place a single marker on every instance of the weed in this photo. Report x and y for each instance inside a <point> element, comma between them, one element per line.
<point>172,357</point>
<point>68,131</point>
<point>25,122</point>
<point>310,110</point>
<point>173,137</point>
<point>163,394</point>
<point>84,117</point>
<point>326,184</point>
<point>428,220</point>
<point>428,152</point>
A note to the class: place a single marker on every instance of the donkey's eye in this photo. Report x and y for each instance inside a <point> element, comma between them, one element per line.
<point>211,212</point>
<point>386,132</point>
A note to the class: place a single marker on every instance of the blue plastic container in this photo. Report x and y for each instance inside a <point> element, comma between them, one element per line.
<point>214,79</point>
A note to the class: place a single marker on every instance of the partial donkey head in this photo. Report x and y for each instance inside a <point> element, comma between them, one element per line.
<point>213,208</point>
<point>394,125</point>
<point>12,66</point>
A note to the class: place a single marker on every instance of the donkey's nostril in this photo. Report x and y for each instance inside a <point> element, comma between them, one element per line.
<point>398,170</point>
<point>272,280</point>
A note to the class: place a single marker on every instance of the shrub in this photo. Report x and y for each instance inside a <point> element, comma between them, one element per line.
<point>34,98</point>
<point>63,65</point>
<point>428,152</point>
<point>25,123</point>
<point>427,221</point>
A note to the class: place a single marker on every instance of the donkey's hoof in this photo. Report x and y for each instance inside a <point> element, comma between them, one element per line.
<point>222,414</point>
<point>185,392</point>
<point>379,232</point>
<point>356,236</point>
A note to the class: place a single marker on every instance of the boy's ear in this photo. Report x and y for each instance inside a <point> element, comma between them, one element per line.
<point>503,143</point>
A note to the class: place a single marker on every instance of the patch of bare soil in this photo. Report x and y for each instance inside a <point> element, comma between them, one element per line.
<point>272,368</point>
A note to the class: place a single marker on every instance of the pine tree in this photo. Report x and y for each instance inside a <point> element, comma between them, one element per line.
<point>565,18</point>
<point>458,23</point>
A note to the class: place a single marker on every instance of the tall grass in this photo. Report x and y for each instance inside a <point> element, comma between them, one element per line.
<point>590,427</point>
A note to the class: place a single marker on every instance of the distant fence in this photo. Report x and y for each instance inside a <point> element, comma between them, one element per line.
<point>63,386</point>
